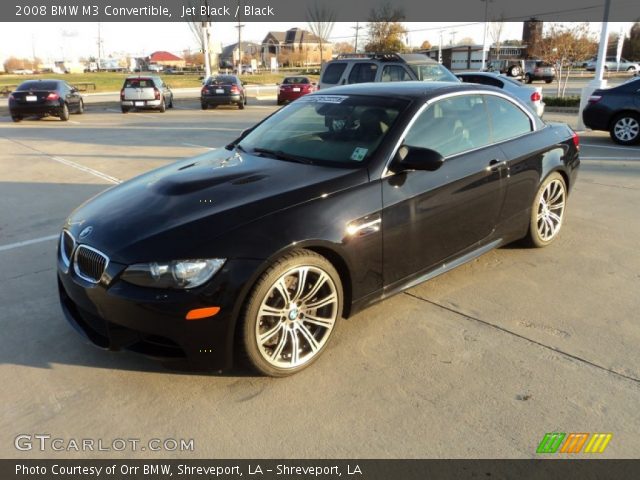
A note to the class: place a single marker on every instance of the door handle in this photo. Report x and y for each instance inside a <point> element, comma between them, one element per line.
<point>495,165</point>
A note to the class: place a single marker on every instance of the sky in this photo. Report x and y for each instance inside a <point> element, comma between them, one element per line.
<point>70,41</point>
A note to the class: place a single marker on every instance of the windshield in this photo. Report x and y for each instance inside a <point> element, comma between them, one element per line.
<point>433,72</point>
<point>341,130</point>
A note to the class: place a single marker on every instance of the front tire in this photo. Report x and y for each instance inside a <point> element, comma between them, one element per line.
<point>163,107</point>
<point>80,108</point>
<point>547,211</point>
<point>64,113</point>
<point>291,314</point>
<point>625,129</point>
<point>241,104</point>
<point>527,78</point>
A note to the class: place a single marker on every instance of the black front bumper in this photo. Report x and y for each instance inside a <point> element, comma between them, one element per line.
<point>152,322</point>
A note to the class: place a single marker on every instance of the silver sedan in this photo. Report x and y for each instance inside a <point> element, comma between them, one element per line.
<point>531,96</point>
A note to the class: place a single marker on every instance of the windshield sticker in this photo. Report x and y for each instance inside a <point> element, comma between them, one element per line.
<point>359,153</point>
<point>324,98</point>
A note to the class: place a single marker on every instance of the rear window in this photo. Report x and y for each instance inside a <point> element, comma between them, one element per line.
<point>37,85</point>
<point>139,83</point>
<point>295,80</point>
<point>221,80</point>
<point>333,73</point>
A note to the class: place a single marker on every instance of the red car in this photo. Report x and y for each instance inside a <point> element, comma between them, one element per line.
<point>293,88</point>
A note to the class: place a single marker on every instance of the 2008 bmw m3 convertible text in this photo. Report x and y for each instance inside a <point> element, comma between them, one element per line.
<point>349,195</point>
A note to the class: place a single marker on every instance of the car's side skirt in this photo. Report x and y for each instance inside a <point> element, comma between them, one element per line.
<point>421,277</point>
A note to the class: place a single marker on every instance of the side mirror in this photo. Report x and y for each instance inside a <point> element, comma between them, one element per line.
<point>417,158</point>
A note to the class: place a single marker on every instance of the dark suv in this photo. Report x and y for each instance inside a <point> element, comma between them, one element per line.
<point>382,67</point>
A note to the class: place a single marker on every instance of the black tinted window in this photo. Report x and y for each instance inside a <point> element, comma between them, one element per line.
<point>222,80</point>
<point>487,80</point>
<point>333,72</point>
<point>295,81</point>
<point>139,83</point>
<point>452,125</point>
<point>37,85</point>
<point>507,120</point>
<point>363,72</point>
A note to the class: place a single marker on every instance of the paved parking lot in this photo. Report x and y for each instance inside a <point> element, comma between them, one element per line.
<point>479,362</point>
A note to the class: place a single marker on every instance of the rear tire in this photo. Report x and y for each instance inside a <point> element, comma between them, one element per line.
<point>548,81</point>
<point>16,118</point>
<point>282,330</point>
<point>125,110</point>
<point>527,78</point>
<point>204,106</point>
<point>241,105</point>
<point>625,128</point>
<point>547,211</point>
<point>64,113</point>
<point>163,107</point>
<point>514,71</point>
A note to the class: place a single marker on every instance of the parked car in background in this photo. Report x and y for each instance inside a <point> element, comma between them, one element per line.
<point>43,98</point>
<point>336,201</point>
<point>350,68</point>
<point>295,87</point>
<point>145,92</point>
<point>222,90</point>
<point>612,65</point>
<point>510,67</point>
<point>616,110</point>
<point>538,70</point>
<point>531,96</point>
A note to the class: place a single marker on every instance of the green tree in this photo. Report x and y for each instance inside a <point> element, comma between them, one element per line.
<point>385,30</point>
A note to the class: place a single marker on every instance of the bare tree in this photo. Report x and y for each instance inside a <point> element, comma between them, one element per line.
<point>564,45</point>
<point>495,32</point>
<point>321,19</point>
<point>385,29</point>
<point>202,34</point>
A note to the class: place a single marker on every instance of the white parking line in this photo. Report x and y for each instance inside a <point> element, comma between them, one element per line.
<point>24,243</point>
<point>90,170</point>
<point>626,149</point>
<point>197,146</point>
<point>69,163</point>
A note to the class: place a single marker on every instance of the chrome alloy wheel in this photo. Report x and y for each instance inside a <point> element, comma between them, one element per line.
<point>296,317</point>
<point>551,210</point>
<point>626,129</point>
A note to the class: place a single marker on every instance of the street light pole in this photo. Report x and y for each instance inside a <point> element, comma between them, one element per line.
<point>598,81</point>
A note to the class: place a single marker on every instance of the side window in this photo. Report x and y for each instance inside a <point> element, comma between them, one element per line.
<point>452,125</point>
<point>394,73</point>
<point>333,73</point>
<point>507,120</point>
<point>363,72</point>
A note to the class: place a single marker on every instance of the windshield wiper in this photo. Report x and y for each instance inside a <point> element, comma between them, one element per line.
<point>280,155</point>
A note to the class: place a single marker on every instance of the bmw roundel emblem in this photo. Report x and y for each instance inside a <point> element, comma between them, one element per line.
<point>86,232</point>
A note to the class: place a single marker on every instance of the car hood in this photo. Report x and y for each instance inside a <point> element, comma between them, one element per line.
<point>175,212</point>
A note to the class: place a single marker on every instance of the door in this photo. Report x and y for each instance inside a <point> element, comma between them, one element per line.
<point>363,72</point>
<point>427,216</point>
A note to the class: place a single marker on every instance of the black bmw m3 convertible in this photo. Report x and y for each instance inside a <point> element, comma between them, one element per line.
<point>341,199</point>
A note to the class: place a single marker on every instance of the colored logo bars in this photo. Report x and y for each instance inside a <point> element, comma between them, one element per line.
<point>573,442</point>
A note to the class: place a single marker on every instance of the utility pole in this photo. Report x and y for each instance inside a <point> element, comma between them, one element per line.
<point>99,46</point>
<point>452,40</point>
<point>484,36</point>
<point>357,29</point>
<point>239,27</point>
<point>440,48</point>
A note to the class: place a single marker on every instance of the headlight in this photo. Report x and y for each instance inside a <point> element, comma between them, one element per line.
<point>179,274</point>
